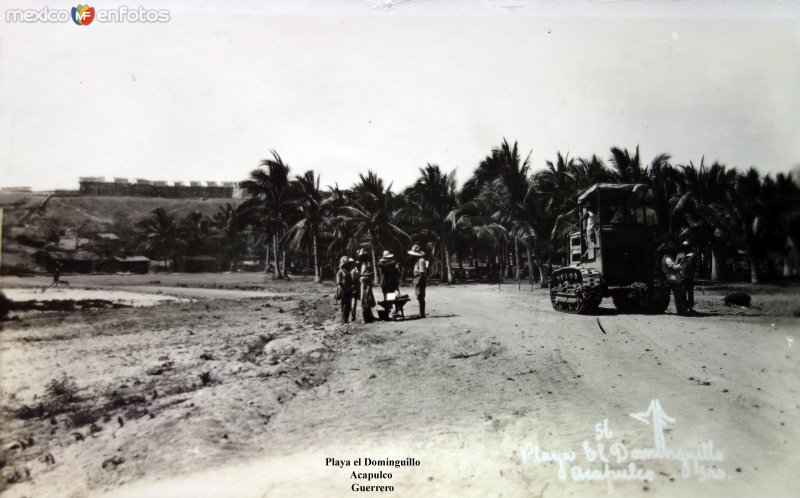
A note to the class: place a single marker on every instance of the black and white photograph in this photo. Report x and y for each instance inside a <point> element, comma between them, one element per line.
<point>399,248</point>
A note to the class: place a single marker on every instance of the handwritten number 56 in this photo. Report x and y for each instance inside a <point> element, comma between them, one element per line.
<point>601,431</point>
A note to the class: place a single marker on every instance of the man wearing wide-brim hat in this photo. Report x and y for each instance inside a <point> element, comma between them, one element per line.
<point>672,269</point>
<point>420,277</point>
<point>390,275</point>
<point>688,260</point>
<point>355,275</point>
<point>366,272</point>
<point>344,289</point>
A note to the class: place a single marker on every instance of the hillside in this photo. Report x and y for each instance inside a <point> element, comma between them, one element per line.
<point>37,215</point>
<point>78,210</point>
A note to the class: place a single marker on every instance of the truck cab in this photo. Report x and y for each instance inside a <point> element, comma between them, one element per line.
<point>613,252</point>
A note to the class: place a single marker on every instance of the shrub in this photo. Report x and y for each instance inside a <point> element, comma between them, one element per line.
<point>206,378</point>
<point>84,415</point>
<point>26,412</point>
<point>64,389</point>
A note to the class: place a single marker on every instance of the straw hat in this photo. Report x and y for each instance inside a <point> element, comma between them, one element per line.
<point>343,261</point>
<point>387,255</point>
<point>416,251</point>
<point>666,248</point>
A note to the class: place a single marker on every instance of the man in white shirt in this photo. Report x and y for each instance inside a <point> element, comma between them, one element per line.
<point>673,270</point>
<point>420,277</point>
<point>591,236</point>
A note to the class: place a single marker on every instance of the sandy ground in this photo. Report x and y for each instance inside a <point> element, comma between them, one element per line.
<point>118,296</point>
<point>234,394</point>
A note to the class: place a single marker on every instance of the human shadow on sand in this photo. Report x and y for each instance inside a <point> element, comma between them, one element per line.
<point>417,317</point>
<point>616,312</point>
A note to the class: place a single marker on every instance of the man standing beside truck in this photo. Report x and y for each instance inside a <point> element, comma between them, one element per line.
<point>688,261</point>
<point>673,270</point>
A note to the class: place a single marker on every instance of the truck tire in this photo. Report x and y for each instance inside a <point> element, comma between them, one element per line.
<point>660,301</point>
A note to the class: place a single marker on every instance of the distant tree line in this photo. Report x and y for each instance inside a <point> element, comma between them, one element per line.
<point>504,218</point>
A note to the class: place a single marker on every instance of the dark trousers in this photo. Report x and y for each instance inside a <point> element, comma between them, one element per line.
<point>679,297</point>
<point>688,290</point>
<point>420,283</point>
<point>367,302</point>
<point>366,314</point>
<point>345,307</point>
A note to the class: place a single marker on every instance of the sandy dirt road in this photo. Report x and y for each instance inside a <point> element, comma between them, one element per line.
<point>477,393</point>
<point>490,374</point>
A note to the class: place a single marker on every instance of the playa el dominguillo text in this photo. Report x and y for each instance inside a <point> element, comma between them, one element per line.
<point>619,462</point>
<point>357,476</point>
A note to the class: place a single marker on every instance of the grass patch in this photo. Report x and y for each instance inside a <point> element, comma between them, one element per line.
<point>27,412</point>
<point>60,396</point>
<point>207,379</point>
<point>116,399</point>
<point>63,390</point>
<point>84,415</point>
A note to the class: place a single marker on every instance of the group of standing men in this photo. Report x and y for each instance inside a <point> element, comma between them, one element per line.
<point>354,282</point>
<point>679,268</point>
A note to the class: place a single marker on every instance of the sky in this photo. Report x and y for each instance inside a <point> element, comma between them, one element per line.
<point>346,86</point>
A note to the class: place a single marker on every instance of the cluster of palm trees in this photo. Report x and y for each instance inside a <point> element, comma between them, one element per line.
<point>731,216</point>
<point>225,236</point>
<point>504,219</point>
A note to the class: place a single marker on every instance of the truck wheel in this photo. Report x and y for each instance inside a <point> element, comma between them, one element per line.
<point>624,304</point>
<point>659,302</point>
<point>636,299</point>
<point>587,303</point>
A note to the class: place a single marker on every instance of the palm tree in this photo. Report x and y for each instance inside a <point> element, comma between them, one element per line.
<point>784,213</point>
<point>269,184</point>
<point>627,166</point>
<point>308,200</point>
<point>336,235</point>
<point>704,208</point>
<point>663,181</point>
<point>559,186</point>
<point>502,182</point>
<point>123,227</point>
<point>195,228</point>
<point>471,222</point>
<point>370,210</point>
<point>658,175</point>
<point>558,183</point>
<point>160,235</point>
<point>588,171</point>
<point>766,212</point>
<point>430,200</point>
<point>229,223</point>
